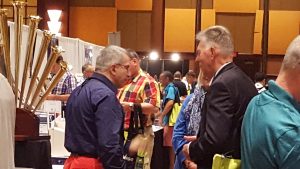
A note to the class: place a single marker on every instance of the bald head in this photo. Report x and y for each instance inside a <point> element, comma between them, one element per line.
<point>292,56</point>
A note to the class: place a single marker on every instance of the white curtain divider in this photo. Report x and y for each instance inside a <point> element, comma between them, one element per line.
<point>24,40</point>
<point>74,50</point>
<point>38,41</point>
<point>82,45</point>
<point>70,45</point>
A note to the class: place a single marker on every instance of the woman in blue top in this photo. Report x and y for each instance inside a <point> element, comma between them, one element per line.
<point>187,124</point>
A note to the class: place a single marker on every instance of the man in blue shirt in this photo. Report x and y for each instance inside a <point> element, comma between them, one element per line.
<point>169,97</point>
<point>270,136</point>
<point>94,116</point>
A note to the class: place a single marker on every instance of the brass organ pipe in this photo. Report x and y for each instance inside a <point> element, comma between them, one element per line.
<point>45,42</point>
<point>56,79</point>
<point>34,21</point>
<point>18,19</point>
<point>5,35</point>
<point>55,52</point>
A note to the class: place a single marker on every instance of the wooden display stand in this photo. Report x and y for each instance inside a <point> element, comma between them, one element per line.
<point>31,149</point>
<point>27,126</point>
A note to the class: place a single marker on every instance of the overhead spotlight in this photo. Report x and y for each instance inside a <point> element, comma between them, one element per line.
<point>175,57</point>
<point>153,56</point>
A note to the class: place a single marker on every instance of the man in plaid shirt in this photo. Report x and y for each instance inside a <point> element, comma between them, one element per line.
<point>64,87</point>
<point>143,89</point>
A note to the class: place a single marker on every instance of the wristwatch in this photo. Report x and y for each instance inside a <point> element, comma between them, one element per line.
<point>131,105</point>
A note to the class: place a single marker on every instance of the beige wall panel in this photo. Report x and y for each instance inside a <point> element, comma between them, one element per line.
<point>137,5</point>
<point>179,30</point>
<point>31,11</point>
<point>143,31</point>
<point>6,2</point>
<point>32,2</point>
<point>10,11</point>
<point>135,30</point>
<point>92,24</point>
<point>286,5</point>
<point>257,43</point>
<point>127,25</point>
<point>92,3</point>
<point>241,27</point>
<point>237,6</point>
<point>207,4</point>
<point>283,28</point>
<point>273,65</point>
<point>258,32</point>
<point>208,18</point>
<point>182,4</point>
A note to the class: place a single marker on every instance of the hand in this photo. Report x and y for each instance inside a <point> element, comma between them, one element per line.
<point>191,165</point>
<point>51,97</point>
<point>185,150</point>
<point>126,106</point>
<point>190,138</point>
<point>158,118</point>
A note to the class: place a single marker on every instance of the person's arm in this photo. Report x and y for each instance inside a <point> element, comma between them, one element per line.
<point>219,116</point>
<point>149,108</point>
<point>180,130</point>
<point>151,100</point>
<point>70,84</point>
<point>168,107</point>
<point>287,148</point>
<point>109,122</point>
<point>63,97</point>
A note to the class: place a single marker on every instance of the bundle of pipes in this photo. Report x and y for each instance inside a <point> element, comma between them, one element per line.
<point>32,98</point>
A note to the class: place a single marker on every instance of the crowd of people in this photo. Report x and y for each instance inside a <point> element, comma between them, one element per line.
<point>109,115</point>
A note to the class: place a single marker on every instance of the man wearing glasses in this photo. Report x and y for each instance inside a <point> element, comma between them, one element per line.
<point>140,97</point>
<point>95,117</point>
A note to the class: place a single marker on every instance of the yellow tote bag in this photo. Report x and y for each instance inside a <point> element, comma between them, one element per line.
<point>222,162</point>
<point>174,114</point>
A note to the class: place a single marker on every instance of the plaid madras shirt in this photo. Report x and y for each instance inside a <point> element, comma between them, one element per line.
<point>143,89</point>
<point>66,84</point>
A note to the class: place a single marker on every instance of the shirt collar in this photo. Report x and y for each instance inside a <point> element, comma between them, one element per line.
<point>106,81</point>
<point>138,76</point>
<point>169,85</point>
<point>218,71</point>
<point>282,95</point>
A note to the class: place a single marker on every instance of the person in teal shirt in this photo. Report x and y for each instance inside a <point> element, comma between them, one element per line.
<point>270,134</point>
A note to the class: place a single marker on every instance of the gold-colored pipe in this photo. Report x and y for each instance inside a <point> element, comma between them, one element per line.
<point>55,52</point>
<point>34,21</point>
<point>18,19</point>
<point>47,36</point>
<point>55,80</point>
<point>5,38</point>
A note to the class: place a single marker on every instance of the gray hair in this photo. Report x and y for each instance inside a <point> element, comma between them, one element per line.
<point>292,56</point>
<point>217,36</point>
<point>109,56</point>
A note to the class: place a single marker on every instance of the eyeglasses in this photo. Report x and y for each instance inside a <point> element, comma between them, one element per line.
<point>123,66</point>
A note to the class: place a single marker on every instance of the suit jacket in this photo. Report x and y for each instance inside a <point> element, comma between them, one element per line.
<point>223,110</point>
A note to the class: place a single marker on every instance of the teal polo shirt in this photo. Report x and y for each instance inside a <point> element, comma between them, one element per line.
<point>270,135</point>
<point>169,94</point>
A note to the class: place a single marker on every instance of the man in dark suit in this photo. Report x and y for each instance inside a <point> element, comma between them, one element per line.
<point>225,103</point>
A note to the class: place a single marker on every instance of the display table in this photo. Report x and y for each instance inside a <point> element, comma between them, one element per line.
<point>33,153</point>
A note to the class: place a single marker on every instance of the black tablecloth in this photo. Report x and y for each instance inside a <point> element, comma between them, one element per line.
<point>160,156</point>
<point>33,154</point>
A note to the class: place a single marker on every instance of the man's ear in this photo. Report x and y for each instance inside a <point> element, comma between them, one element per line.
<point>213,53</point>
<point>113,70</point>
<point>135,60</point>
